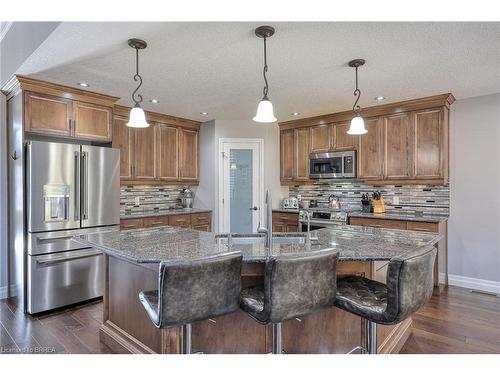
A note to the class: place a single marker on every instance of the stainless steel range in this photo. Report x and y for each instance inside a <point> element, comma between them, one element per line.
<point>321,218</point>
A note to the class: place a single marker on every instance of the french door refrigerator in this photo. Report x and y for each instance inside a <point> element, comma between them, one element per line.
<point>71,189</point>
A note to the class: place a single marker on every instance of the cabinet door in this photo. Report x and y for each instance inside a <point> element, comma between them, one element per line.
<point>145,153</point>
<point>92,121</point>
<point>182,220</point>
<point>290,228</point>
<point>279,227</point>
<point>371,151</point>
<point>155,221</point>
<point>131,223</point>
<point>287,155</point>
<point>429,144</point>
<point>340,139</point>
<point>202,227</point>
<point>397,133</point>
<point>302,146</point>
<point>320,138</point>
<point>47,114</point>
<point>123,138</point>
<point>168,152</point>
<point>188,154</point>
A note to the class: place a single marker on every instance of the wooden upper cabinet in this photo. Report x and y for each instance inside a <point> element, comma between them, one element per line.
<point>123,139</point>
<point>92,121</point>
<point>430,144</point>
<point>371,151</point>
<point>287,154</point>
<point>398,151</point>
<point>145,153</point>
<point>188,154</point>
<point>167,138</point>
<point>320,138</point>
<point>340,139</point>
<point>302,149</point>
<point>47,114</point>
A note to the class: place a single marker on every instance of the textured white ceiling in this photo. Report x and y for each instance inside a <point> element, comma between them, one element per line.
<point>217,67</point>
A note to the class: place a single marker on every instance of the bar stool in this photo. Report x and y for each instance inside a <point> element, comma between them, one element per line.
<point>294,285</point>
<point>408,287</point>
<point>193,290</point>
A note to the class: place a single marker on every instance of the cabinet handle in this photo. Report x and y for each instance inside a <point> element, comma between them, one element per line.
<point>157,223</point>
<point>374,225</point>
<point>421,230</point>
<point>129,226</point>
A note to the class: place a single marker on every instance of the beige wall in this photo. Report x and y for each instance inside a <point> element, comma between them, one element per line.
<point>474,225</point>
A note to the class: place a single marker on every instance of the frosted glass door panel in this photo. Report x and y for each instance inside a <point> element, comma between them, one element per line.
<point>240,190</point>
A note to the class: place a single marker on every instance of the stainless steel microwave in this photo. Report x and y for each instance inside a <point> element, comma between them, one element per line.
<point>332,164</point>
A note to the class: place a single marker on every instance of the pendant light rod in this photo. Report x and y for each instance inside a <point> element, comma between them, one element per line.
<point>137,44</point>
<point>265,32</point>
<point>357,92</point>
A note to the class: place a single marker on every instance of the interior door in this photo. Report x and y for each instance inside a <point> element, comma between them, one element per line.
<point>100,186</point>
<point>242,189</point>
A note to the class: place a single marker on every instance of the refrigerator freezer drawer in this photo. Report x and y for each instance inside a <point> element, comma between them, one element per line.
<point>57,280</point>
<point>53,242</point>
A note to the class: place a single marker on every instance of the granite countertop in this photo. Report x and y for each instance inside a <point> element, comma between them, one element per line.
<point>400,216</point>
<point>174,211</point>
<point>152,245</point>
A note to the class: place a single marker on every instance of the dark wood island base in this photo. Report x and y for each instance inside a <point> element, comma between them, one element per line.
<point>127,328</point>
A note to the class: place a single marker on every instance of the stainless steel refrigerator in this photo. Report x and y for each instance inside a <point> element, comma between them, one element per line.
<point>71,189</point>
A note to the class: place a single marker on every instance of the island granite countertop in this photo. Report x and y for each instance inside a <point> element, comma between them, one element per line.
<point>153,245</point>
<point>152,213</point>
<point>400,216</point>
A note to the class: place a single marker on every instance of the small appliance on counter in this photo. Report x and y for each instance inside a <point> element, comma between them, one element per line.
<point>378,203</point>
<point>187,199</point>
<point>365,203</point>
<point>290,203</point>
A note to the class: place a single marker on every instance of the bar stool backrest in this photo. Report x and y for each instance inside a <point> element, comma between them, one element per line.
<point>298,284</point>
<point>195,290</point>
<point>410,283</point>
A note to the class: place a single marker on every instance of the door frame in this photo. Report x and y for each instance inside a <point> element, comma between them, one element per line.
<point>222,142</point>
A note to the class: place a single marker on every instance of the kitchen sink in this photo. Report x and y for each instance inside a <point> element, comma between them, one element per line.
<point>257,239</point>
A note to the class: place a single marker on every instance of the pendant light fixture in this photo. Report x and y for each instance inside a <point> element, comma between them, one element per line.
<point>265,112</point>
<point>137,118</point>
<point>357,123</point>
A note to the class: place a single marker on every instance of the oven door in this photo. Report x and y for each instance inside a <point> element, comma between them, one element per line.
<point>325,165</point>
<point>320,224</point>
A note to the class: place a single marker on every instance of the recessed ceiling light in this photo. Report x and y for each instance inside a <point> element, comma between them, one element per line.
<point>83,84</point>
<point>204,113</point>
<point>155,101</point>
<point>379,98</point>
<point>295,113</point>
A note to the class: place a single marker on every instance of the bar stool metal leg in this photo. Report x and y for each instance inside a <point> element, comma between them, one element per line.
<point>277,338</point>
<point>371,337</point>
<point>186,333</point>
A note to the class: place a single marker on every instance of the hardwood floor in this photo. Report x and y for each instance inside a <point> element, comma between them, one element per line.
<point>457,321</point>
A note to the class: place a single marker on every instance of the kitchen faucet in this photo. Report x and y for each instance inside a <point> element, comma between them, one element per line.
<point>307,214</point>
<point>269,214</point>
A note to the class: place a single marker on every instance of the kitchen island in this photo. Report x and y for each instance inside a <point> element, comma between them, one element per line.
<point>132,259</point>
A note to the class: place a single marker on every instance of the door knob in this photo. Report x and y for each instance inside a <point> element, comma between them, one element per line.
<point>254,208</point>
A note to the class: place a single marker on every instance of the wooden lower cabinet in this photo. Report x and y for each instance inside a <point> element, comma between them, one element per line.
<point>441,263</point>
<point>285,222</point>
<point>198,221</point>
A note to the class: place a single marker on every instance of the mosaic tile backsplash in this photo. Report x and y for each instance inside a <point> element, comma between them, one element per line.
<point>135,199</point>
<point>404,199</point>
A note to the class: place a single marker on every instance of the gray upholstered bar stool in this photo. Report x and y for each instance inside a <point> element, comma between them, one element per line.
<point>193,290</point>
<point>294,285</point>
<point>409,285</point>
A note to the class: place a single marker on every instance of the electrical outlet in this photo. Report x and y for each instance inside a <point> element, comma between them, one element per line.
<point>395,200</point>
<point>137,202</point>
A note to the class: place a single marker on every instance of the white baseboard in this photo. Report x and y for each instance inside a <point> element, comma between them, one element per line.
<point>6,291</point>
<point>471,283</point>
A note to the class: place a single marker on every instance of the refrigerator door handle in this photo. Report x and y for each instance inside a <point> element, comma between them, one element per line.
<point>77,186</point>
<point>85,185</point>
<point>46,261</point>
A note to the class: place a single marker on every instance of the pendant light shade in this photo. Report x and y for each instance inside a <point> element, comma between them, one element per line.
<point>137,118</point>
<point>357,126</point>
<point>265,111</point>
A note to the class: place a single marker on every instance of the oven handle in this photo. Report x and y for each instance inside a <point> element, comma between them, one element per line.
<point>326,224</point>
<point>60,259</point>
